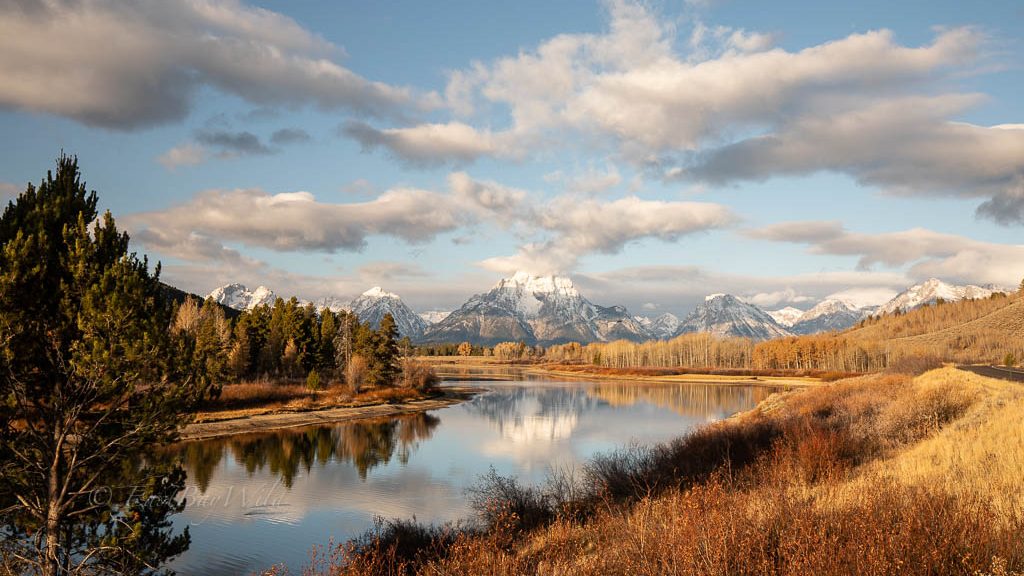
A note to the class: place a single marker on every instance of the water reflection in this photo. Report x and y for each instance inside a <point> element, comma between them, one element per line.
<point>261,499</point>
<point>710,402</point>
<point>365,444</point>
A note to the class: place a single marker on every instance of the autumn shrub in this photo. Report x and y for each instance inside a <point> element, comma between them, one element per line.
<point>914,365</point>
<point>355,374</point>
<point>248,394</point>
<point>418,375</point>
<point>388,395</point>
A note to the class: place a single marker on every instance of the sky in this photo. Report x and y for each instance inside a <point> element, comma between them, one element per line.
<point>654,152</point>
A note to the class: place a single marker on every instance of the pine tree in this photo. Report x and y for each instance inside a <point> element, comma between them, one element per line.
<point>91,378</point>
<point>384,358</point>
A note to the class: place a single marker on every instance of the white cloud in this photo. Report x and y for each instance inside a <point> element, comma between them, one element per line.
<point>432,144</point>
<point>924,253</point>
<point>582,226</point>
<point>127,65</point>
<point>592,180</point>
<point>187,154</point>
<point>297,221</point>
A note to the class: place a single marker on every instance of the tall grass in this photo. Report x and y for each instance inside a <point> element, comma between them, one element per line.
<point>824,481</point>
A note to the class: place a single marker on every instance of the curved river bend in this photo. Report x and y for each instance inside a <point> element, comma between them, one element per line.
<point>260,499</point>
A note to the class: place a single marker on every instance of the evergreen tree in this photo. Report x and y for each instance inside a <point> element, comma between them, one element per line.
<point>384,357</point>
<point>90,379</point>
<point>327,352</point>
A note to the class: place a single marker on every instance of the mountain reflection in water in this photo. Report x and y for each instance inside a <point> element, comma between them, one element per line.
<point>260,499</point>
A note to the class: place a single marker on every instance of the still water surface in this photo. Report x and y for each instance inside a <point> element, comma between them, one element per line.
<point>255,500</point>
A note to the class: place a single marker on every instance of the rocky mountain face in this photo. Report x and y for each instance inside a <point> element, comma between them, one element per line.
<point>239,297</point>
<point>727,315</point>
<point>434,316</point>
<point>662,327</point>
<point>537,310</point>
<point>371,306</point>
<point>930,291</point>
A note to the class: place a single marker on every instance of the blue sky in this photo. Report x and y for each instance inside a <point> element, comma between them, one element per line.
<point>654,152</point>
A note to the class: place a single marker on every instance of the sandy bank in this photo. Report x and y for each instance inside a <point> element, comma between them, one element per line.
<point>263,422</point>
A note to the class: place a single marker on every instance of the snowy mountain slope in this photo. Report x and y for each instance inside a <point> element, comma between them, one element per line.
<point>931,290</point>
<point>434,316</point>
<point>239,297</point>
<point>662,327</point>
<point>727,315</point>
<point>535,309</point>
<point>332,303</point>
<point>787,316</point>
<point>372,305</point>
<point>828,315</point>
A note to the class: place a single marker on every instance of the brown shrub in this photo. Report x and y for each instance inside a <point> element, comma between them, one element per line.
<point>248,394</point>
<point>355,373</point>
<point>388,395</point>
<point>418,375</point>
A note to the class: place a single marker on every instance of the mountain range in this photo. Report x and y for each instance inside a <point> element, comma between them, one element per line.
<point>535,310</point>
<point>550,310</point>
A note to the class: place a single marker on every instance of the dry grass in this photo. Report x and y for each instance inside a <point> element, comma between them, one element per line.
<point>389,395</point>
<point>881,474</point>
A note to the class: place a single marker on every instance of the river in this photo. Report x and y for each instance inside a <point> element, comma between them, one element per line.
<point>260,499</point>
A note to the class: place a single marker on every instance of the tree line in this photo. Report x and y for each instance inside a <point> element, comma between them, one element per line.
<point>291,341</point>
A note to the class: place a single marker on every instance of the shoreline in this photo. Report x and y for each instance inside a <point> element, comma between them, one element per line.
<point>281,420</point>
<point>768,381</point>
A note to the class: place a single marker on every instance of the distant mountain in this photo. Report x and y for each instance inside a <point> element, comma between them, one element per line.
<point>930,291</point>
<point>727,315</point>
<point>828,315</point>
<point>434,316</point>
<point>332,303</point>
<point>786,316</point>
<point>372,305</point>
<point>663,327</point>
<point>535,309</point>
<point>239,297</point>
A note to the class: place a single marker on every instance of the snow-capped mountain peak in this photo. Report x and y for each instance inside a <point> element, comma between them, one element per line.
<point>378,292</point>
<point>371,306</point>
<point>930,291</point>
<point>786,316</point>
<point>546,309</point>
<point>727,315</point>
<point>239,297</point>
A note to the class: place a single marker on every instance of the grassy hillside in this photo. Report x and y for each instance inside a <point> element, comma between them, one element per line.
<point>881,474</point>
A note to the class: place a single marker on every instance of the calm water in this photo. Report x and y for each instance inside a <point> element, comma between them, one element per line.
<point>259,499</point>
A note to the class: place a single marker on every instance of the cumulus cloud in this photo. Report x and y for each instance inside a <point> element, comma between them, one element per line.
<point>592,180</point>
<point>187,154</point>
<point>903,146</point>
<point>628,85</point>
<point>126,65</point>
<point>430,144</point>
<point>582,226</point>
<point>297,221</point>
<point>807,231</point>
<point>925,253</point>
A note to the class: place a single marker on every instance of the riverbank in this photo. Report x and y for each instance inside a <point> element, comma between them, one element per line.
<point>216,425</point>
<point>880,474</point>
